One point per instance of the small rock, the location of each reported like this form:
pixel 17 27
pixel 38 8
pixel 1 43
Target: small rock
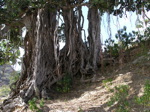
pixel 120 74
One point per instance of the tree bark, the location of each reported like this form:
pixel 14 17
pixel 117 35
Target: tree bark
pixel 43 63
pixel 94 38
pixel 75 48
pixel 82 59
pixel 39 64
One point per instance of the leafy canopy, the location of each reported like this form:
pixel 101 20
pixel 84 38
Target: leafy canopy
pixel 12 12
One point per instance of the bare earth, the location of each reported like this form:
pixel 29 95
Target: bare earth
pixel 93 96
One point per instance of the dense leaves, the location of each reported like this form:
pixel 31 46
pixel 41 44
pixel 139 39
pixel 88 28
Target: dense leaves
pixel 118 7
pixel 124 38
pixel 13 11
pixel 8 52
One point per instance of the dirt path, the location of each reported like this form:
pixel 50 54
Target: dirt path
pixel 93 97
pixel 96 97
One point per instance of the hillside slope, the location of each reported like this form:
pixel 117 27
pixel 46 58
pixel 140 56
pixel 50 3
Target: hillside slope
pixel 94 96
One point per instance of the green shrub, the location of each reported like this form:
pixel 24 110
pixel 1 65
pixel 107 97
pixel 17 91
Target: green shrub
pixel 65 84
pixel 106 83
pixel 9 52
pixel 145 99
pixel 125 39
pixel 36 106
pixel 120 96
pixel 111 48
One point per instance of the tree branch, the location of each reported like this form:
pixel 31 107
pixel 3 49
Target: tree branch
pixel 76 5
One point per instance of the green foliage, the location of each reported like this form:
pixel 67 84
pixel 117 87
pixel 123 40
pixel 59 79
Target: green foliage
pixel 117 7
pixel 145 99
pixel 124 38
pixel 111 47
pixel 36 106
pixel 65 84
pixel 123 107
pixel 8 52
pixel 143 40
pixel 107 81
pixel 12 10
pixel 41 103
pixel 4 90
pixel 144 35
pixel 32 105
pixel 120 96
pixel 108 6
pixel 126 41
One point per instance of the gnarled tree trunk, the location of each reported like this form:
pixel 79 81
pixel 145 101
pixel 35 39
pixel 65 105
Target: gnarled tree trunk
pixel 43 64
pixel 81 58
pixel 75 48
pixel 39 64
pixel 94 37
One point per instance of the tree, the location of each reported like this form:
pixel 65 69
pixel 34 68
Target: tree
pixel 43 63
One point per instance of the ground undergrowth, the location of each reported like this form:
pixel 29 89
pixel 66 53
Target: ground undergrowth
pixel 117 89
pixel 125 89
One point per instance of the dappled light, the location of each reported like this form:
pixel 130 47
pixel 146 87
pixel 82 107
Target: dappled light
pixel 75 55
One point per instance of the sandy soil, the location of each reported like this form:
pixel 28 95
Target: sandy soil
pixel 93 97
